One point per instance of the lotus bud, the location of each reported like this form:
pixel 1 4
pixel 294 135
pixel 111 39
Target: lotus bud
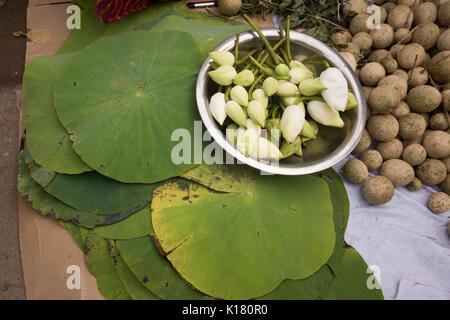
pixel 310 129
pixel 235 112
pixel 287 101
pixel 261 97
pixel 296 64
pixel 222 58
pixel 310 87
pixel 270 86
pixel 273 131
pixel 244 78
pixel 299 74
pixel 336 94
pixel 289 148
pixel 217 107
pixel 282 69
pixel 291 123
pixel 267 150
pixel 287 89
pixel 231 133
pixel 351 102
pixel 324 114
pixel 223 75
pixel 239 95
pixel 242 141
pixel 253 132
pixel 256 112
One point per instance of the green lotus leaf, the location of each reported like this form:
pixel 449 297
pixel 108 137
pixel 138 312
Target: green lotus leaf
pixel 154 271
pixel 208 33
pixel 50 206
pixel 92 28
pixel 133 286
pixel 122 122
pixel 100 263
pixel 351 279
pixel 47 140
pixel 242 245
pixel 136 225
pixel 93 192
pixel 79 234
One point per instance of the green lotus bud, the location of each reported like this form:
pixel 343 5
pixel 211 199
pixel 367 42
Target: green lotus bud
pixel 282 69
pixel 235 112
pixel 261 97
pixel 217 107
pixel 267 150
pixel 239 95
pixel 222 58
pixel 223 75
pixel 291 123
pixel 270 86
pixel 299 74
pixel 310 87
pixel 310 129
pixel 256 112
pixel 286 89
pixel 253 132
pixel 287 101
pixel 289 148
pixel 244 78
pixel 324 114
pixel 351 102
pixel 242 141
pixel 296 64
pixel 231 133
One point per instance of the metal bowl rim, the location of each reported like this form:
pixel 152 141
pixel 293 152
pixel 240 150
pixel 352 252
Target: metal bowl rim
pixel 330 55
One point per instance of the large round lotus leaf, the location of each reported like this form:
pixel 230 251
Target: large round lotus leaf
pixel 133 286
pixel 242 245
pixel 208 33
pixel 123 96
pixel 47 140
pixel 50 206
pixel 154 271
pixel 100 263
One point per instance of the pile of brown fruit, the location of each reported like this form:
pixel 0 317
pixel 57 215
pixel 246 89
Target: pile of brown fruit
pixel 404 67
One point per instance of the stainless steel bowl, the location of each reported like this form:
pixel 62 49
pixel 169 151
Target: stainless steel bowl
pixel 323 159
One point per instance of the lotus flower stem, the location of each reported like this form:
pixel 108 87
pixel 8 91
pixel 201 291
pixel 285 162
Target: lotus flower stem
pixel 270 64
pixel 307 98
pixel 238 62
pixel 317 62
pixel 227 93
pixel 220 89
pixel 266 72
pixel 288 42
pixel 252 87
pixel 274 111
pixel 263 38
pixel 285 56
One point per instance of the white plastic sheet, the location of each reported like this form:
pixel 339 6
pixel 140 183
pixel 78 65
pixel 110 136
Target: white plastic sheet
pixel 404 239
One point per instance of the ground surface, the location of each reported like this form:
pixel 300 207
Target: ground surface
pixel 12 57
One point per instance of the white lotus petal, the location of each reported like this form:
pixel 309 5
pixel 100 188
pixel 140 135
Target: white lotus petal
pixel 324 114
pixel 217 107
pixel 336 93
pixel 291 123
